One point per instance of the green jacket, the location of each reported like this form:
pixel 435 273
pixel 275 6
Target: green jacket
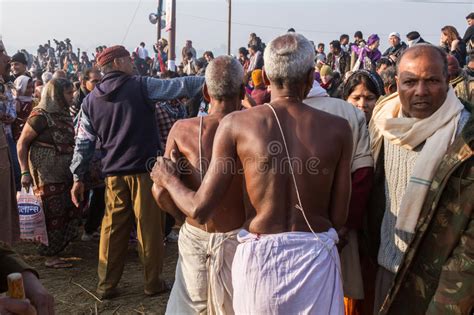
pixel 437 273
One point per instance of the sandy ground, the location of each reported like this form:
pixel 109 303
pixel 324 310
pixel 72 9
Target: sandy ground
pixel 70 298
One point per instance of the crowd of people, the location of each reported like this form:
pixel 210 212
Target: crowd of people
pixel 302 181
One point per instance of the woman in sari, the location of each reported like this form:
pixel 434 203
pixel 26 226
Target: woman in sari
pixel 367 56
pixel 45 150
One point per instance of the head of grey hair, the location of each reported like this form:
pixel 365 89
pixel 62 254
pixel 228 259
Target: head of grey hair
pixel 288 58
pixel 224 76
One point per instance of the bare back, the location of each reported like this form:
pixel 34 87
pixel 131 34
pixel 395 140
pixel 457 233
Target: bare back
pixel 320 147
pixel 184 137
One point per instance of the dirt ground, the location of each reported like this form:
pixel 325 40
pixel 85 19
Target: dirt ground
pixel 70 298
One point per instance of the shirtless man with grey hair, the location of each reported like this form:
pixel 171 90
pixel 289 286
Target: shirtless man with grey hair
pixel 203 273
pixel 287 261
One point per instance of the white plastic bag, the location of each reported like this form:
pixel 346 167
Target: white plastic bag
pixel 32 220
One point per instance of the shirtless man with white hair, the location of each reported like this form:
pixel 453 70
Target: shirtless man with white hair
pixel 203 272
pixel 287 261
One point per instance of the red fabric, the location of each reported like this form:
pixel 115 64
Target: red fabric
pixel 110 53
pixel 160 61
pixel 362 180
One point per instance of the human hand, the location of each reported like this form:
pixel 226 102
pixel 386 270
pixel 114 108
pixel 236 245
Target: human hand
pixel 16 306
pixel 77 193
pixel 164 170
pixel 37 294
pixel 26 181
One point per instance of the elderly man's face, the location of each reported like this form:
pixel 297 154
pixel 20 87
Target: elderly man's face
pixel 18 68
pixel 394 41
pixel 422 84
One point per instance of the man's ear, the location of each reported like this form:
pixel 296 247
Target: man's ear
pixel 265 78
pixel 117 62
pixel 205 93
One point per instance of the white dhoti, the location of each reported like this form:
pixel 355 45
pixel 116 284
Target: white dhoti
pixel 287 273
pixel 203 283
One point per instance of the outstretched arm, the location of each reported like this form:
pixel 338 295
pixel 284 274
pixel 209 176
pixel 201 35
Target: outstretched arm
pixel 200 205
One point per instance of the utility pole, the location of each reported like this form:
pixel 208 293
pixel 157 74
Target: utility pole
pixel 229 27
pixel 158 24
pixel 172 38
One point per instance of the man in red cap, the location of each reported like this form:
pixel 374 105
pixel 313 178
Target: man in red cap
pixel 120 113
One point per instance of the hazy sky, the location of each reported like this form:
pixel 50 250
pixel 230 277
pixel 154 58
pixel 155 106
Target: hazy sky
pixel 26 24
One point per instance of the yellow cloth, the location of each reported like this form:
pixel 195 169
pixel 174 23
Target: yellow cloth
pixel 437 132
pixel 257 77
pixel 325 70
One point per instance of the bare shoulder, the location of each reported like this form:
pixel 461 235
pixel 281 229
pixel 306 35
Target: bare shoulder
pixel 247 117
pixel 182 128
pixel 239 118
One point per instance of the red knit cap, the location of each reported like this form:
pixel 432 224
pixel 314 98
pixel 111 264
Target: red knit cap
pixel 109 54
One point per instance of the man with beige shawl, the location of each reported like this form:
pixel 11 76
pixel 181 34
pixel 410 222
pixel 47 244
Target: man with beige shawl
pixel 410 133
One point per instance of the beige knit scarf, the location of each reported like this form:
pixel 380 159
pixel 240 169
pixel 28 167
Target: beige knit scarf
pixel 437 131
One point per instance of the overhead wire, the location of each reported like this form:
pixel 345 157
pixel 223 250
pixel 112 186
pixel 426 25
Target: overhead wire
pixel 271 26
pixel 131 21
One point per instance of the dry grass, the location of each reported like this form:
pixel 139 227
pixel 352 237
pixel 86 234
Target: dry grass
pixel 74 289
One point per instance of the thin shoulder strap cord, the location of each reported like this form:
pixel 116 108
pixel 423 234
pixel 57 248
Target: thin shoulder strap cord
pixel 200 147
pixel 200 153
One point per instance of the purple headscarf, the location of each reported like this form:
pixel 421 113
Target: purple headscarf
pixel 372 39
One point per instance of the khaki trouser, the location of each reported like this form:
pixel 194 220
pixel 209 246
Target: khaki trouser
pixel 128 198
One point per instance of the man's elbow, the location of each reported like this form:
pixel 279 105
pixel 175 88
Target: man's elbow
pixel 199 215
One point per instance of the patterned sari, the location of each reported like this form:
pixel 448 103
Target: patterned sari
pixel 49 158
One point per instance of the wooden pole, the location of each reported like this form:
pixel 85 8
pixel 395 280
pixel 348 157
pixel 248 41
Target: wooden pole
pixel 172 38
pixel 229 28
pixel 158 24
